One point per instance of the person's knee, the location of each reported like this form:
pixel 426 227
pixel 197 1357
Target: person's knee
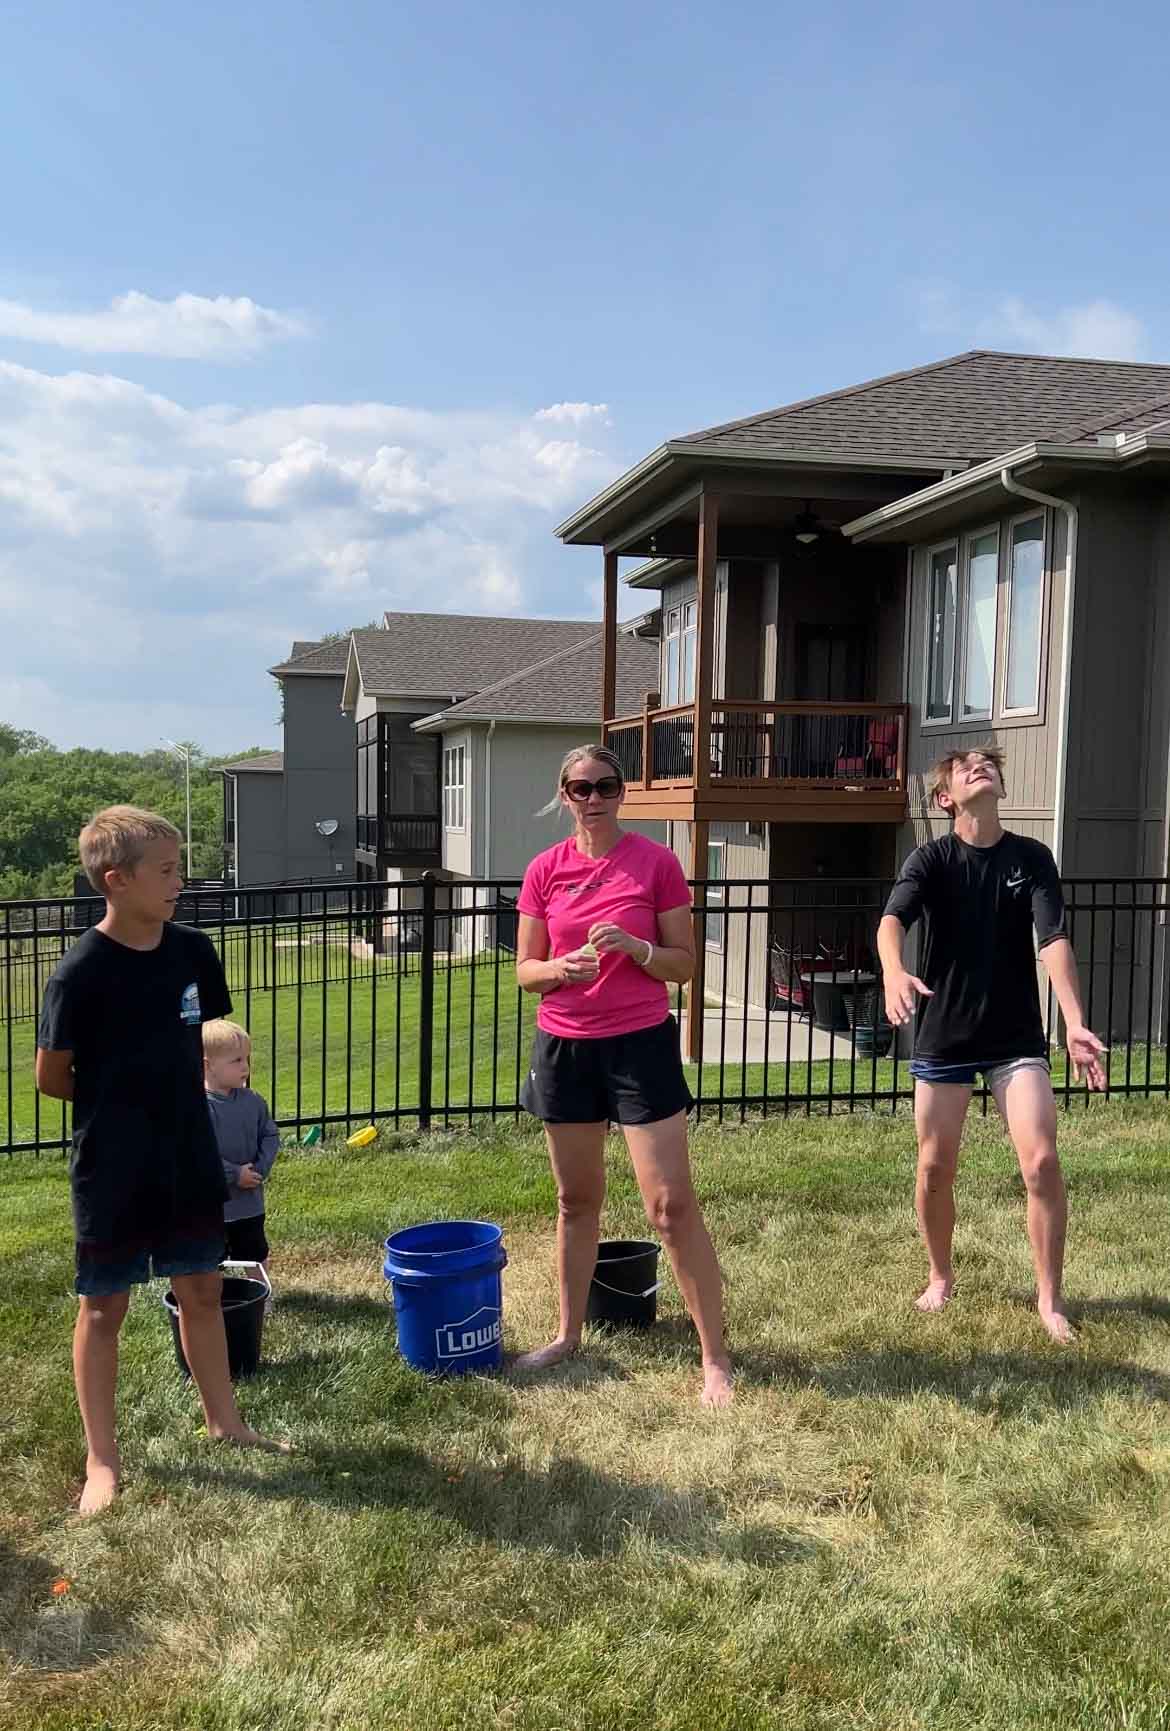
pixel 937 1164
pixel 198 1293
pixel 1040 1170
pixel 105 1315
pixel 580 1204
pixel 671 1213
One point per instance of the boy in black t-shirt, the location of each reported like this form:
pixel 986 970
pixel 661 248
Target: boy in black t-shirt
pixel 120 1036
pixel 981 892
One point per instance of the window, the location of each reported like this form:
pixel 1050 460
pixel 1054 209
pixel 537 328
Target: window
pixel 678 655
pixel 716 898
pixel 940 658
pixel 1021 679
pixel 454 786
pixel 979 607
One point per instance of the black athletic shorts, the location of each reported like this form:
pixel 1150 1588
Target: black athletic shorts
pixel 628 1079
pixel 246 1240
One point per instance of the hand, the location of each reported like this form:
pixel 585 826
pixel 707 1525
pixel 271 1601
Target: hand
pixel 612 940
pixel 575 969
pixel 1086 1051
pixel 902 994
pixel 249 1178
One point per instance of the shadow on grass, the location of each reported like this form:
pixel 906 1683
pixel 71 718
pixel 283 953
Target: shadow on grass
pixel 571 1508
pixel 1006 1382
pixel 1011 1383
pixel 333 1307
pixel 47 1633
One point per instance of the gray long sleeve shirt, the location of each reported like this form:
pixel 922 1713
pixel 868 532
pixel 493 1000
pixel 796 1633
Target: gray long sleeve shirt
pixel 247 1137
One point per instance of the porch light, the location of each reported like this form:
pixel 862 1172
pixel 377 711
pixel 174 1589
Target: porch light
pixel 806 527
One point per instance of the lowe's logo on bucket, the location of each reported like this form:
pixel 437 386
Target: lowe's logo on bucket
pixel 457 1339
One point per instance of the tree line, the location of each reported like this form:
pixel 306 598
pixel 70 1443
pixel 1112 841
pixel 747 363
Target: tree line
pixel 47 795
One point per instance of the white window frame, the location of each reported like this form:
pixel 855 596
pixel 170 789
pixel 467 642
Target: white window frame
pixel 952 543
pixel 964 717
pixel 719 945
pixel 455 788
pixel 672 633
pixel 1035 708
pixel 690 630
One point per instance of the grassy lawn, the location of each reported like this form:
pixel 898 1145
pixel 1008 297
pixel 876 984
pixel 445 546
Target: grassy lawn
pixel 350 1050
pixel 906 1523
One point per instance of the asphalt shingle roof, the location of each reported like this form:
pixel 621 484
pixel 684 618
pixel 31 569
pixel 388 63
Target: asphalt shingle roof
pixel 268 761
pixel 566 685
pixel 968 408
pixel 332 656
pixel 434 654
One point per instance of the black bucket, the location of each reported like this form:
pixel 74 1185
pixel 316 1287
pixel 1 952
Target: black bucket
pixel 624 1289
pixel 243 1322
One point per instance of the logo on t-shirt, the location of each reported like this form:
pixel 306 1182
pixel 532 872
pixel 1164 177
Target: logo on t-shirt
pixel 1015 880
pixel 189 1009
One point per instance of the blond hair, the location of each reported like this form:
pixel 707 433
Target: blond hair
pixel 117 838
pixel 938 778
pixel 221 1037
pixel 600 754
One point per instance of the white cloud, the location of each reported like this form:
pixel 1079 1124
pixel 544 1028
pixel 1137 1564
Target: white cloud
pixel 1099 329
pixel 189 327
pixel 575 414
pixel 155 559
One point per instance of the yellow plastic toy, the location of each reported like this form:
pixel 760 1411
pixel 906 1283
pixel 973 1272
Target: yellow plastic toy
pixel 362 1138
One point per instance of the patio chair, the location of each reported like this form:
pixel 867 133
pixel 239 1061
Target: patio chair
pixel 788 989
pixel 879 760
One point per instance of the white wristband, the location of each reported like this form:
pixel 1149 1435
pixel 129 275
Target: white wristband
pixel 649 956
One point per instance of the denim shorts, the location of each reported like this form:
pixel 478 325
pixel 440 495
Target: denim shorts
pixel 965 1075
pixel 101 1273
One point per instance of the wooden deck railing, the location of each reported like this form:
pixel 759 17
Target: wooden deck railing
pixel 829 746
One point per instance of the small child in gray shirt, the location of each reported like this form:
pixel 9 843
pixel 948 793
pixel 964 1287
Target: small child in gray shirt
pixel 247 1138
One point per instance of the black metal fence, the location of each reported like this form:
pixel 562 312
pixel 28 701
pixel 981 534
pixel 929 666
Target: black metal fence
pixel 397 1003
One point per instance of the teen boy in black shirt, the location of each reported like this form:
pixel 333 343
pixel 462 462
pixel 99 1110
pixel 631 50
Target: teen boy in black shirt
pixel 120 1037
pixel 981 891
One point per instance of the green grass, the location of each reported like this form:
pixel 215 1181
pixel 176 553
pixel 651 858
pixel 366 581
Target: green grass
pixel 351 1049
pixel 906 1524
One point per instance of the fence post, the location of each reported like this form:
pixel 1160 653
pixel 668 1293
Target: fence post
pixel 426 1002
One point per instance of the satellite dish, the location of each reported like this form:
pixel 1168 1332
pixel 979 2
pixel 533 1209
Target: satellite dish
pixel 326 826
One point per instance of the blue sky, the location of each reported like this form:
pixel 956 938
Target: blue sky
pixel 308 311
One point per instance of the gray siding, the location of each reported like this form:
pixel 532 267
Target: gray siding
pixel 1116 778
pixel 259 827
pixel 319 770
pixel 524 765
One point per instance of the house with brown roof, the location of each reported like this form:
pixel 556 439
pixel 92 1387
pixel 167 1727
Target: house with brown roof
pixel 502 747
pixel 397 675
pixel 975 549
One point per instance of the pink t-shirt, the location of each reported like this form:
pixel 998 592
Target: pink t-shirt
pixel 630 886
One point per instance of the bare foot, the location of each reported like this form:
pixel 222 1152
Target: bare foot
pixel 718 1388
pixel 936 1296
pixel 1058 1325
pixel 242 1436
pixel 101 1487
pixel 546 1356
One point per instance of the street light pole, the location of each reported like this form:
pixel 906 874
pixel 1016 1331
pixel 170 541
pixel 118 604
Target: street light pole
pixel 183 752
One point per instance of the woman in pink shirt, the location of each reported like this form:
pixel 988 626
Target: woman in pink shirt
pixel 605 925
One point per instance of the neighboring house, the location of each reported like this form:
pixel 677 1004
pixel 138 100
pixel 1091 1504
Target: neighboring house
pixel 401 673
pixel 290 814
pixel 502 748
pixel 975 549
pixel 253 819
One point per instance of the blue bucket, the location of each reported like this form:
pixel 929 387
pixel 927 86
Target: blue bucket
pixel 445 1277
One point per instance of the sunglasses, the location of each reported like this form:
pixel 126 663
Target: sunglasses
pixel 579 790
